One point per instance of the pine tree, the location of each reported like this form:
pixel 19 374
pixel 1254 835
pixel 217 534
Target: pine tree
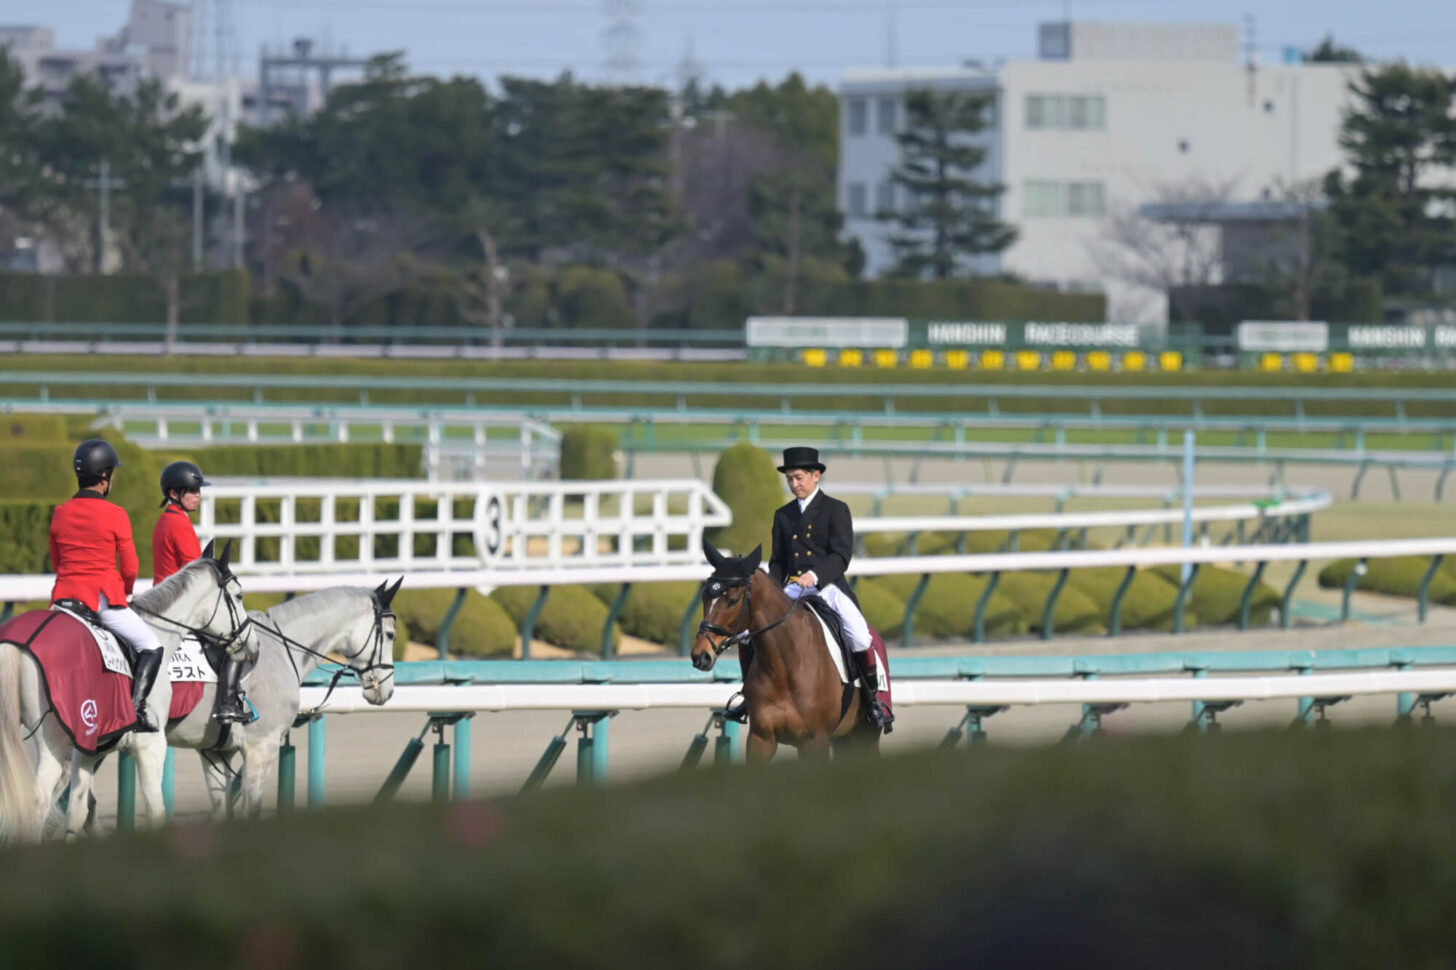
pixel 948 215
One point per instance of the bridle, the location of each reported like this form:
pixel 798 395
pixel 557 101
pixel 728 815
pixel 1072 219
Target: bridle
pixel 238 618
pixel 745 613
pixel 374 645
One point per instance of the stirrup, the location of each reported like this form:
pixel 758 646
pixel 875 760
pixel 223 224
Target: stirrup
pixel 736 712
pixel 236 710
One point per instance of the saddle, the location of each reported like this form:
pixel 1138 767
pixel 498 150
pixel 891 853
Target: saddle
pixel 831 619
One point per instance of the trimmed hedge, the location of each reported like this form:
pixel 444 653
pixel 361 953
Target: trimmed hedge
pixel 34 428
pixel 1147 604
pixel 882 608
pixel 653 611
pixel 1399 576
pixel 1216 594
pixel 746 478
pixel 588 453
pixel 948 606
pixel 572 618
pixel 338 460
pixel 481 629
pixel 1074 612
pixel 24 536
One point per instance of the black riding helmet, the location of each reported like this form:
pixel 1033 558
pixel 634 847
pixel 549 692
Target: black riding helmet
pixel 181 475
pixel 94 459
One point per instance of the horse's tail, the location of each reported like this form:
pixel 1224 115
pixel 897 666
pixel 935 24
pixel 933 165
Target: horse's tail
pixel 19 810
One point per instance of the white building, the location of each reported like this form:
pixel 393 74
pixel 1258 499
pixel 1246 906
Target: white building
pixel 153 43
pixel 1107 115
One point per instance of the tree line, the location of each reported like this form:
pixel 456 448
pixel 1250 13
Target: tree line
pixel 557 202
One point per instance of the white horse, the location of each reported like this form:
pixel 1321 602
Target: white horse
pixel 293 638
pixel 203 597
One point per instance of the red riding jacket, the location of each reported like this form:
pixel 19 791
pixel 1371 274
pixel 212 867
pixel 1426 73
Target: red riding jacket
pixel 174 543
pixel 88 536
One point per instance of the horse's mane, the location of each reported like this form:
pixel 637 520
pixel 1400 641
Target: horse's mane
pixel 165 594
pixel 289 611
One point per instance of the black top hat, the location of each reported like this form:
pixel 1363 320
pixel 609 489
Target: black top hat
pixel 802 458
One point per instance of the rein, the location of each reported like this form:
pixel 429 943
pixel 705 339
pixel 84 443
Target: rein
pixel 376 640
pixel 731 639
pixel 239 627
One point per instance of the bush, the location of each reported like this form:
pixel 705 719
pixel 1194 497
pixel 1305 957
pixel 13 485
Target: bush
pixel 1147 604
pixel 1399 576
pixel 589 297
pixel 1275 849
pixel 1075 611
pixel 745 478
pixel 24 536
pixel 572 618
pixel 588 453
pixel 35 428
pixel 882 608
pixel 1216 594
pixel 948 606
pixel 653 611
pixel 341 460
pixel 481 628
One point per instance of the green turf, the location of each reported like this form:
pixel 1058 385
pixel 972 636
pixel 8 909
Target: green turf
pixel 1326 850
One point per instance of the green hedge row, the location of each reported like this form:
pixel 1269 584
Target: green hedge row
pixel 1397 576
pixel 482 628
pixel 575 296
pixel 36 476
pixel 572 617
pixel 221 297
pixel 1297 850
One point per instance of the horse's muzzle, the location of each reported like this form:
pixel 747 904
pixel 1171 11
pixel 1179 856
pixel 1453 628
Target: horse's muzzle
pixel 703 660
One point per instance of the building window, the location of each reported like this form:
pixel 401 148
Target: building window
pixel 1045 199
pixel 856 201
pixel 1085 199
pixel 885 116
pixel 1066 112
pixel 858 116
pixel 885 197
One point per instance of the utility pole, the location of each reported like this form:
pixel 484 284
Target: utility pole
pixel 104 184
pixel 197 219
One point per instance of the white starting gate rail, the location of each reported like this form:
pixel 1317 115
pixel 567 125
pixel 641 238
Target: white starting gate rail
pixel 511 525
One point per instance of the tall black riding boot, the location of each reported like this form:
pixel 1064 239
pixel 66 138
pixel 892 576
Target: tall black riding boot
pixel 231 709
pixel 143 676
pixel 875 712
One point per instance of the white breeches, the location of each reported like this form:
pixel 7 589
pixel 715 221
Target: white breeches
pixel 856 630
pixel 130 627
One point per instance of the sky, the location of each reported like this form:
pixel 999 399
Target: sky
pixel 736 42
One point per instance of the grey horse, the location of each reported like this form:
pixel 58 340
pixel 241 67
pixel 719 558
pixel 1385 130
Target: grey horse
pixel 293 637
pixel 202 597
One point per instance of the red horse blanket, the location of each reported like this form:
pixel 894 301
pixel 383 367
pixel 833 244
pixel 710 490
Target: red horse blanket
pixel 93 704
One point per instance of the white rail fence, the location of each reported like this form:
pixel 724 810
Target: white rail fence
pixel 331 525
pixel 457 443
pixel 326 525
pixel 908 693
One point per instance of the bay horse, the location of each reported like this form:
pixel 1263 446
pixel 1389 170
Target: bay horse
pixel 794 692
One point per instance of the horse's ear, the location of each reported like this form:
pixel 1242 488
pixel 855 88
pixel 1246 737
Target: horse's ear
pixel 227 553
pixel 751 561
pixel 386 596
pixel 379 590
pixel 715 558
pixel 207 550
